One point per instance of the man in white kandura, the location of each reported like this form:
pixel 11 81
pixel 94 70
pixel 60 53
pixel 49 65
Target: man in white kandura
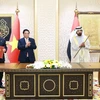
pixel 79 41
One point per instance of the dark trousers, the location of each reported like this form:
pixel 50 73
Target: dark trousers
pixel 27 60
pixel 1 73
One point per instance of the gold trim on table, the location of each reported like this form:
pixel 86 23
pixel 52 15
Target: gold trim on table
pixel 46 81
pixel 70 86
pixel 21 85
pixel 27 83
pixel 7 85
pixel 75 88
pixel 90 85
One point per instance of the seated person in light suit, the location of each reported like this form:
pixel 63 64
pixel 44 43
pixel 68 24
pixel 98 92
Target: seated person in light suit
pixel 2 60
pixel 26 45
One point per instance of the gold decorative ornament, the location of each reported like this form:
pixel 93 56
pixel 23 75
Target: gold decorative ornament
pixel 70 85
pixel 7 85
pixel 48 85
pixel 4 28
pixel 24 88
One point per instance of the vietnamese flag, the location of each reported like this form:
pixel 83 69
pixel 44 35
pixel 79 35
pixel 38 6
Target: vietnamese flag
pixel 13 52
pixel 74 25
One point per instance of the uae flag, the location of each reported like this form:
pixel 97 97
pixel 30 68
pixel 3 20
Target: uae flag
pixel 74 25
pixel 12 51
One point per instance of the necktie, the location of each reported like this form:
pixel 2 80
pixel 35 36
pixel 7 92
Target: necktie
pixel 26 39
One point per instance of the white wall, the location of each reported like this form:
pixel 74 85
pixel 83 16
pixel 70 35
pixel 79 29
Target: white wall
pixel 46 14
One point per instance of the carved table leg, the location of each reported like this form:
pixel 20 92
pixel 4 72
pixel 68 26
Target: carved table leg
pixel 99 78
pixel 99 73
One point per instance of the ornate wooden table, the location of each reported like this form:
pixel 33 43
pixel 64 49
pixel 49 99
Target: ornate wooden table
pixel 52 84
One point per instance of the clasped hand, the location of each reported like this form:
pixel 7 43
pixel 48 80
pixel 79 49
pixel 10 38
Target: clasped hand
pixel 28 44
pixel 82 45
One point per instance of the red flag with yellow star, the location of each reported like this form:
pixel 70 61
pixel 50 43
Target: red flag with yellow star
pixel 12 51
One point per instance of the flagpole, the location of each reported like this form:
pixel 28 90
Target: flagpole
pixel 76 11
pixel 17 9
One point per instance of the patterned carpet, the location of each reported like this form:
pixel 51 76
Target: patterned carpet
pixel 96 91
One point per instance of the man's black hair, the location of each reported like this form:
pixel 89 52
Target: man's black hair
pixel 25 30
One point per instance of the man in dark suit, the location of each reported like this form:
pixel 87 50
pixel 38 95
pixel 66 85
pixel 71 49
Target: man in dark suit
pixel 26 45
pixel 2 60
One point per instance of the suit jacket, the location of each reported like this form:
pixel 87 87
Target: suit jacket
pixel 24 50
pixel 3 43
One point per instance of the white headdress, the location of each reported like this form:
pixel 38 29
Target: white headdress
pixel 73 33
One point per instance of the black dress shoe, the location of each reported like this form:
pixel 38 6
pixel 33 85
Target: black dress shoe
pixel 2 86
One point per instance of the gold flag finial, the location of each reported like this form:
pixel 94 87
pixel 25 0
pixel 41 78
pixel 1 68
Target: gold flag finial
pixel 76 11
pixel 17 10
